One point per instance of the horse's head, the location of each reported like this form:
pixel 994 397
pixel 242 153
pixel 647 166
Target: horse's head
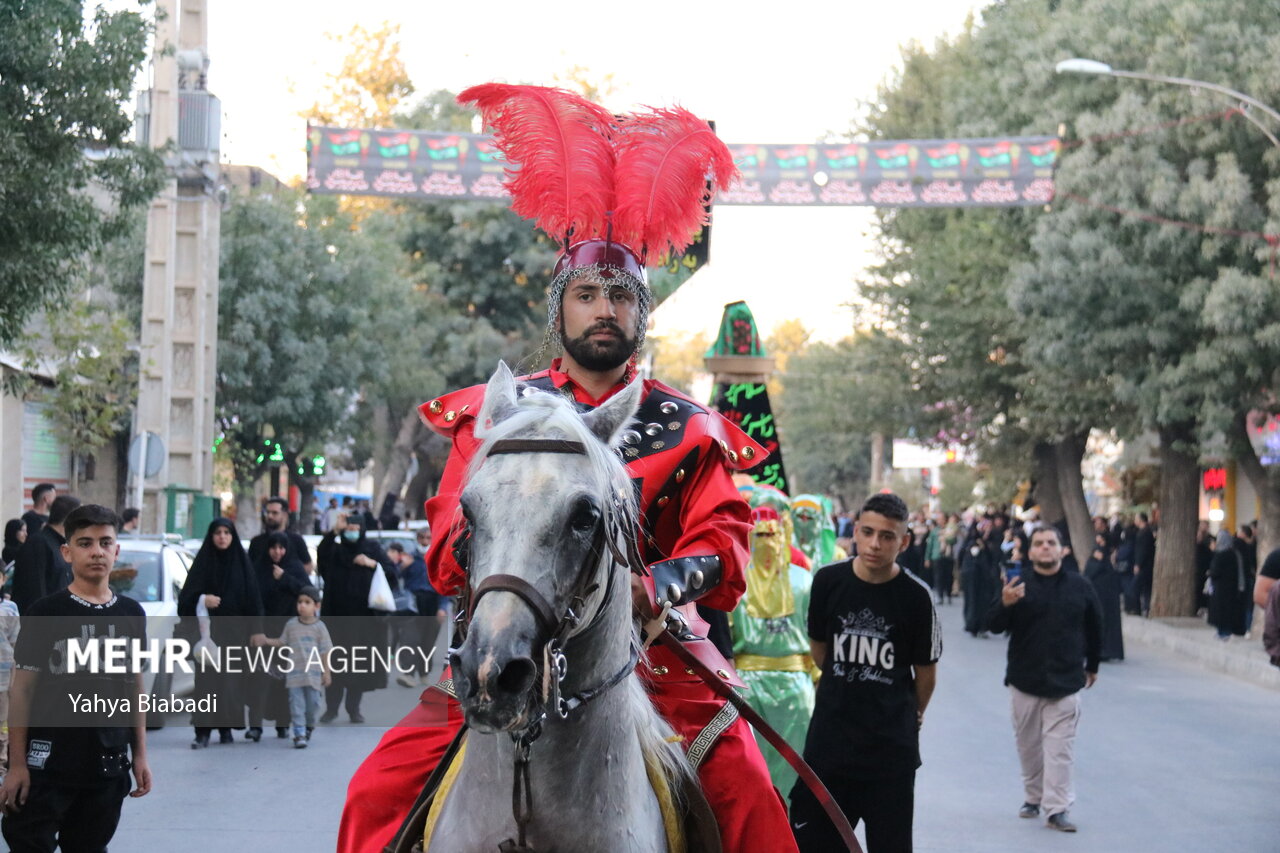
pixel 544 493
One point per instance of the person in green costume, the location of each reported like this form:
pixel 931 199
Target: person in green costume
pixel 811 516
pixel 770 641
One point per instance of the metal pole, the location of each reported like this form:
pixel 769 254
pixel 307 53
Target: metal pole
pixel 139 485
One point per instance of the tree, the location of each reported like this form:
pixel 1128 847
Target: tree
pixel 372 83
pixel 941 285
pixel 62 89
pixel 94 384
pixel 959 482
pixel 788 338
pixel 1120 301
pixel 678 359
pixel 826 437
pixel 1108 315
pixel 301 294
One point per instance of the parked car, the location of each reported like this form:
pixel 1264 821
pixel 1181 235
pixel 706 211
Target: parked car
pixel 151 570
pixel 406 537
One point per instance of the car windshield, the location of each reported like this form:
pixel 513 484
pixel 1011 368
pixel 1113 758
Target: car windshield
pixel 137 575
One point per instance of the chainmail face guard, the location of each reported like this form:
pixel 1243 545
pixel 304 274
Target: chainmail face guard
pixel 606 278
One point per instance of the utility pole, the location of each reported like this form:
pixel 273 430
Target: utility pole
pixel 179 334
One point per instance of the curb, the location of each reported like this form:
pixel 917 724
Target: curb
pixel 1193 641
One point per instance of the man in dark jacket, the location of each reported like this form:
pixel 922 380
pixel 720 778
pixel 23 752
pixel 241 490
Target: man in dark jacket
pixel 40 568
pixel 42 497
pixel 1054 624
pixel 275 519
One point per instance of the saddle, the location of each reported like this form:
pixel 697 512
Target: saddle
pixel 694 829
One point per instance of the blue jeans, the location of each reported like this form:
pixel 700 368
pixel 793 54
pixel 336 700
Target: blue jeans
pixel 304 705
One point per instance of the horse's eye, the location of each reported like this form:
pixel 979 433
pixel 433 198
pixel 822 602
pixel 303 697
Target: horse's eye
pixel 584 518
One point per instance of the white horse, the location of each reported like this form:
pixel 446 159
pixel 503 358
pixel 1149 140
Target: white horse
pixel 550 504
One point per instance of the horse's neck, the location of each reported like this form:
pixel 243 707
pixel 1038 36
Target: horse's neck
pixel 604 646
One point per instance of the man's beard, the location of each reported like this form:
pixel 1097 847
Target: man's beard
pixel 601 355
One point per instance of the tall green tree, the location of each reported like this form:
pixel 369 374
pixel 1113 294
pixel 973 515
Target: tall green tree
pixel 825 437
pixel 1120 301
pixel 1116 321
pixel 301 294
pixel 941 286
pixel 63 86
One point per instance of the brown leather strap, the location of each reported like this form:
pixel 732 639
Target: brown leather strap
pixel 518 586
pixel 828 803
pixel 537 445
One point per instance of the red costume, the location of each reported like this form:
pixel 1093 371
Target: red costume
pixel 680 456
pixel 627 189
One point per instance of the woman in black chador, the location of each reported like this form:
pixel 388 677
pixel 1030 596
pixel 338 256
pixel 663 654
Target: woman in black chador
pixel 1106 583
pixel 280 578
pixel 1229 575
pixel 347 561
pixel 222 575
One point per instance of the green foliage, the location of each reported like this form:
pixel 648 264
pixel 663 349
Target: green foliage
pixel 1023 325
pixel 482 259
pixel 958 483
pixel 833 397
pixel 62 87
pixel 941 284
pixel 94 384
pixel 301 291
pixel 1124 309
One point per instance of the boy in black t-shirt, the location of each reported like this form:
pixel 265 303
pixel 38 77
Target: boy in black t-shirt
pixel 874 632
pixel 71 726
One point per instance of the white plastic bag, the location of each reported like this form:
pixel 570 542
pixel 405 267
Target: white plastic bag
pixel 380 597
pixel 205 643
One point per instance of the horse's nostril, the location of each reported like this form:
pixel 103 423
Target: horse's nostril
pixel 466 688
pixel 517 676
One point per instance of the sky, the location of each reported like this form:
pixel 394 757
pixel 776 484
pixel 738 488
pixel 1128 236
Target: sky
pixel 765 73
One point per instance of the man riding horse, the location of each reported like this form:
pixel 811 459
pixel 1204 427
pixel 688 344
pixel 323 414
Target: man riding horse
pixel 626 188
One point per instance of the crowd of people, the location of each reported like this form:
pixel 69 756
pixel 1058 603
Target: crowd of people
pixel 1060 608
pixel 967 555
pixel 271 594
pixel 262 595
pixel 58 562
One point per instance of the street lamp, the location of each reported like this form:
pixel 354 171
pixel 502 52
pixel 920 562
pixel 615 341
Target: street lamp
pixel 1092 66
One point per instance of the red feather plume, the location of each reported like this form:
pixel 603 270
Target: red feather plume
pixel 561 161
pixel 665 158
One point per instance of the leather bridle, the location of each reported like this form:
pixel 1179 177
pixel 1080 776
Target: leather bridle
pixel 557 628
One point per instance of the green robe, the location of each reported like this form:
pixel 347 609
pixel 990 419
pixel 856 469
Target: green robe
pixel 784 699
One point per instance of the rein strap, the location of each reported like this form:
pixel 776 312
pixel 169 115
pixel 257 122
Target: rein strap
pixel 805 772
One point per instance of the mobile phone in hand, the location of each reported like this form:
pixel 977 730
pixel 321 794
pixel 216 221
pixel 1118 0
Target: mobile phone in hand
pixel 1012 573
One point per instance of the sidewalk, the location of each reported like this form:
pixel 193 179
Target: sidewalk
pixel 1194 641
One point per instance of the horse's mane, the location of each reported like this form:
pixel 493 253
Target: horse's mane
pixel 542 415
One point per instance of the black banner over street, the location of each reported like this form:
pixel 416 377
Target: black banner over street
pixel 996 172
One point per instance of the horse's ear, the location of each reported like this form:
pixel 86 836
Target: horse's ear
pixel 499 397
pixel 608 421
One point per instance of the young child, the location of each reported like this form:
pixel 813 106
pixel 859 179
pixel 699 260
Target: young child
pixel 309 640
pixel 8 636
